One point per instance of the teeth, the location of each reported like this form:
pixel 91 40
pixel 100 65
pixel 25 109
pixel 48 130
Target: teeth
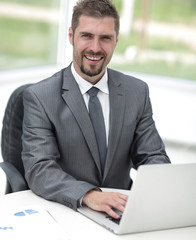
pixel 93 58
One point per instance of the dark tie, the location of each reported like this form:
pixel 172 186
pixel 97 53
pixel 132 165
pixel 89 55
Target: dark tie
pixel 96 115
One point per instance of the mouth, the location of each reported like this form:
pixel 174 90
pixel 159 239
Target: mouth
pixel 93 58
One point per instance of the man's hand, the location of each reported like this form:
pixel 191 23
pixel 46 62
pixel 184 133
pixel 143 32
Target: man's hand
pixel 105 202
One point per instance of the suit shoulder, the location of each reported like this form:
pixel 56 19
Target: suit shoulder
pixel 126 79
pixel 47 85
pixel 50 81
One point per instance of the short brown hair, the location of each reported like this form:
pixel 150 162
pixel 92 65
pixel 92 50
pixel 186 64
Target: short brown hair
pixel 96 9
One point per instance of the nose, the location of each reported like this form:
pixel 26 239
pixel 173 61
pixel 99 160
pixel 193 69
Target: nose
pixel 95 45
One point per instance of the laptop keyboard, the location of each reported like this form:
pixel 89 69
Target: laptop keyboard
pixel 117 221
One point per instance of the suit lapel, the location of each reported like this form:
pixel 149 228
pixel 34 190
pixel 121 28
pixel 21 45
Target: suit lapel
pixel 117 107
pixel 74 99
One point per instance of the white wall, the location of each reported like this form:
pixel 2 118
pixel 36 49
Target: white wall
pixel 173 102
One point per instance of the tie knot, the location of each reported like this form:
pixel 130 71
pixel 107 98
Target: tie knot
pixel 93 91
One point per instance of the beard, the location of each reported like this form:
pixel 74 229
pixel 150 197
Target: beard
pixel 92 71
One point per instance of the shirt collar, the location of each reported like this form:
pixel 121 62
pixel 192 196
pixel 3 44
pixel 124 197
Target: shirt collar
pixel 84 85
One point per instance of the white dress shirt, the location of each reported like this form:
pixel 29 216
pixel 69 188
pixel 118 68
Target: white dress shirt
pixel 103 94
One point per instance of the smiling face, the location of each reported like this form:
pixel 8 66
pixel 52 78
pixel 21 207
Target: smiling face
pixel 94 41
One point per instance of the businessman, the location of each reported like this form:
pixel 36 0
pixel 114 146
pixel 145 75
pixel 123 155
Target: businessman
pixel 87 125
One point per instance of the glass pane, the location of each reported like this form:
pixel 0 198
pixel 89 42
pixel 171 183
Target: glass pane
pixel 29 32
pixel 161 39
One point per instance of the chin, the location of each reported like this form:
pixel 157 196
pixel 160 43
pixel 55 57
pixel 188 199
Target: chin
pixel 91 73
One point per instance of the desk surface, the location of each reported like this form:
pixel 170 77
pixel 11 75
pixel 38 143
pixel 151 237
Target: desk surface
pixel 76 226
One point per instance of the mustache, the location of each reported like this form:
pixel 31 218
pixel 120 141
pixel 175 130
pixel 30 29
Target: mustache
pixel 94 53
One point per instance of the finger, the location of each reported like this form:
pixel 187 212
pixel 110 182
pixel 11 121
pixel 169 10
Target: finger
pixel 118 206
pixel 121 199
pixel 112 213
pixel 123 196
pixel 111 207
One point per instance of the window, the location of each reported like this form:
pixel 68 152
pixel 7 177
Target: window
pixel 29 33
pixel 160 39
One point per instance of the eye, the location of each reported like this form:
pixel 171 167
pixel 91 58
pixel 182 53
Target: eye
pixel 86 36
pixel 107 38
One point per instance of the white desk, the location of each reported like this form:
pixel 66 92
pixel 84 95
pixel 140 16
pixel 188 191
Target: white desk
pixel 79 227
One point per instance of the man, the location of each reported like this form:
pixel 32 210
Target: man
pixel 61 153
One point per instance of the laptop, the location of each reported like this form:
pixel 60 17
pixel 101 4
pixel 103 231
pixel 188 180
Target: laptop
pixel 163 196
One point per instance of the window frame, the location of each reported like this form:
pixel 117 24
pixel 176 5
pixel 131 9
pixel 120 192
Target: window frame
pixel 63 55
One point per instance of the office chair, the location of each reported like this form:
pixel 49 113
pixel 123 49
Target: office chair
pixel 11 143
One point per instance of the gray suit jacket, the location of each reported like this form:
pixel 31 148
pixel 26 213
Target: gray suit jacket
pixel 60 153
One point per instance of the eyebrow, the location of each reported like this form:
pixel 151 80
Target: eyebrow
pixel 102 35
pixel 81 33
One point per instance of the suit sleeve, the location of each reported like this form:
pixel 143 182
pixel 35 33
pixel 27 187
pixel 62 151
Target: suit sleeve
pixel 40 157
pixel 147 147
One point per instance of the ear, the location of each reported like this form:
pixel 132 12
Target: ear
pixel 117 38
pixel 71 36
